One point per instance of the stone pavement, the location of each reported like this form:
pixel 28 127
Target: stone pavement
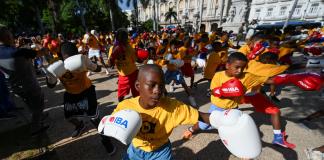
pixel 295 104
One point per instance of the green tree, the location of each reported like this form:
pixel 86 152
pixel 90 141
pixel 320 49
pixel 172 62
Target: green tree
pixel 170 14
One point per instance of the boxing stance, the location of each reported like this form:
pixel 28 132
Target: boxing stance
pixel 229 88
pixel 148 120
pixel 80 97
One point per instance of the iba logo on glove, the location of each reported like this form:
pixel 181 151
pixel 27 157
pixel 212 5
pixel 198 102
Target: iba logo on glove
pixel 118 120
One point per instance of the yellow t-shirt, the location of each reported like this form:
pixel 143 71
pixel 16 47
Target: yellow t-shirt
pixel 249 81
pixel 75 82
pixel 158 122
pixel 185 55
pixel 213 62
pixel 245 49
pixel 284 51
pixel 265 70
pixel 125 63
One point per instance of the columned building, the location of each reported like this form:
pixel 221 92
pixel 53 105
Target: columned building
pixel 232 12
pixel 271 11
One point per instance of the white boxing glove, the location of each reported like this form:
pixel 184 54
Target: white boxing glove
pixel 123 125
pixel 150 61
pixel 57 69
pixel 168 56
pixel 201 62
pixel 177 62
pixel 76 63
pixel 238 132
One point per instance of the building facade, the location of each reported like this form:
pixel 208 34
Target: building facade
pixel 232 12
pixel 271 11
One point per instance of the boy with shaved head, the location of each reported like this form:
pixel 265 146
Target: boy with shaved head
pixel 159 116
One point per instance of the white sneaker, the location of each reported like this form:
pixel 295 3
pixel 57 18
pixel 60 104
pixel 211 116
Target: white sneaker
pixel 89 73
pixel 171 89
pixel 192 101
pixel 314 155
pixel 107 72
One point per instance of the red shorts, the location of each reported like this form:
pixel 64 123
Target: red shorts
pixel 187 70
pixel 126 84
pixel 261 103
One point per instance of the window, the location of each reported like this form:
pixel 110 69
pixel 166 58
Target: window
pixel 269 12
pixel 282 11
pixel 257 13
pixel 313 9
pixel 297 10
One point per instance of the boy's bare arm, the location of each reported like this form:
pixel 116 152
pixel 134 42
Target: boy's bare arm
pixel 204 117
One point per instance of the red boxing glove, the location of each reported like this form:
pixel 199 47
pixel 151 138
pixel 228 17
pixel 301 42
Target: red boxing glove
pixel 257 49
pixel 231 88
pixel 54 44
pixel 305 81
pixel 46 41
pixel 274 50
pixel 142 54
pixel 282 79
pixel 309 82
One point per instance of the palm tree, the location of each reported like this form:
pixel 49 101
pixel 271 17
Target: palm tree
pixel 170 14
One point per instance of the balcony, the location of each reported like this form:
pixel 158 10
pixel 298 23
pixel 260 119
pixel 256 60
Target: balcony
pixel 258 2
pixel 272 1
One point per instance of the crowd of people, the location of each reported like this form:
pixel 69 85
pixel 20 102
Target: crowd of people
pixel 145 63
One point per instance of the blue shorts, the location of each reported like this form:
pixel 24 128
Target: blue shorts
pixel 163 153
pixel 173 75
pixel 205 126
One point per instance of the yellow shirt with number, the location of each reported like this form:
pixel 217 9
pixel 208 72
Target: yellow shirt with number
pixel 249 81
pixel 158 122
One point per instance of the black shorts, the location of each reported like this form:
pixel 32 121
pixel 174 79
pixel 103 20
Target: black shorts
pixel 81 105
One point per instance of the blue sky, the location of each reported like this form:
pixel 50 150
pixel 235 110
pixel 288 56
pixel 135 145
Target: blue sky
pixel 123 5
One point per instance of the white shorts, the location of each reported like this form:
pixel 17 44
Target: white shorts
pixel 94 53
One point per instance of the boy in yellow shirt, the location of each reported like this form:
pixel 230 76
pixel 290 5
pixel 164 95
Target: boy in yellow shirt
pixel 160 115
pixel 124 57
pixel 213 62
pixel 235 66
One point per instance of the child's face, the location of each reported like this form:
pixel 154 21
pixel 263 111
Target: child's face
pixel 150 88
pixel 235 69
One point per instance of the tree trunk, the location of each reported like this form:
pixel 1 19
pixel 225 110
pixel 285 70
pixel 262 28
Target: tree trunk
pixel 82 16
pixel 51 6
pixel 39 20
pixel 136 12
pixel 111 15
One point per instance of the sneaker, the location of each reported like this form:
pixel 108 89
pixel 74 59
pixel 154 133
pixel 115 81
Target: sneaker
pixel 89 74
pixel 313 154
pixel 280 139
pixel 78 130
pixel 107 72
pixel 187 134
pixel 192 101
pixel 274 99
pixel 7 116
pixel 171 89
pixel 110 148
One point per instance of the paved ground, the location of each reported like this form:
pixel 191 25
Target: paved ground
pixel 295 104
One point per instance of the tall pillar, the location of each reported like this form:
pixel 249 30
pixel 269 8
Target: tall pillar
pixel 225 10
